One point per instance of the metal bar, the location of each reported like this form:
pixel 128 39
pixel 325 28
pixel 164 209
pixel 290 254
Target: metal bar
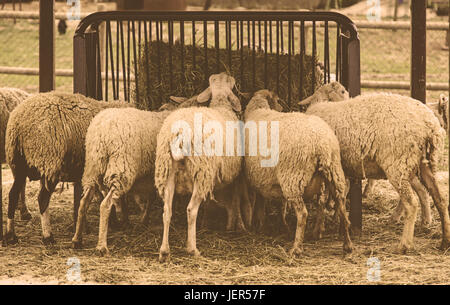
pixel 170 28
pixel 282 36
pixel 253 57
pixel 242 55
pixel 183 79
pixel 265 55
pixel 278 58
pixel 129 58
pixel 302 57
pixel 158 51
pixel 46 45
pixel 314 54
pixel 216 44
pixel 123 61
pixel 289 61
pixel 326 55
pixel 418 50
pixel 106 61
pixel 135 62
pixel 80 69
pixel 338 54
pixel 147 64
pixel 117 60
pixel 205 45
pixel 193 44
pixel 99 67
pixel 230 64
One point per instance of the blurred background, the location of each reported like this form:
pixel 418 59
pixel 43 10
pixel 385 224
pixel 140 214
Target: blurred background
pixel 385 50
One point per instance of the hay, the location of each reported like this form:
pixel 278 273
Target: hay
pixel 155 80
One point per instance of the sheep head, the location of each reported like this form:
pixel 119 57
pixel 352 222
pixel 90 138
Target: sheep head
pixel 220 89
pixel 332 92
pixel 443 109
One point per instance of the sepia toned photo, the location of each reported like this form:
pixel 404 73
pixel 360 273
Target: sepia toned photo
pixel 234 145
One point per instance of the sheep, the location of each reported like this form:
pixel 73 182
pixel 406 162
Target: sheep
pixel 389 136
pixel 120 160
pixel 45 141
pixel 9 99
pixel 438 109
pixel 176 170
pixel 335 92
pixel 306 160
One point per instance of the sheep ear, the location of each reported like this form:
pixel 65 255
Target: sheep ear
pixel 235 103
pixel 178 99
pixel 204 96
pixel 245 95
pixel 306 101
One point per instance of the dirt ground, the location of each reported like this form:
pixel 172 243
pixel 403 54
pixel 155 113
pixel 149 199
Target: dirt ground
pixel 227 258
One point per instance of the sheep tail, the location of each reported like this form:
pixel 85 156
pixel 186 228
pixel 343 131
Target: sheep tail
pixel 433 147
pixel 163 164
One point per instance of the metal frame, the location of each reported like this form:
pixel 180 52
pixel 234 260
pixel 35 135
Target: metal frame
pixel 87 59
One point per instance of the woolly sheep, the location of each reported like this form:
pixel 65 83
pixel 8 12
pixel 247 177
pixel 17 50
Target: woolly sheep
pixel 438 109
pixel 335 92
pixel 45 141
pixel 306 160
pixel 199 175
pixel 120 160
pixel 9 99
pixel 390 136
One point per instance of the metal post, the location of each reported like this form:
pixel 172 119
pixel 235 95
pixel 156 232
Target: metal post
pixel 418 49
pixel 46 45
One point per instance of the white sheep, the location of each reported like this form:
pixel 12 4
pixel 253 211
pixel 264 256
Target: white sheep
pixel 201 173
pixel 9 99
pixel 120 160
pixel 390 136
pixel 45 141
pixel 306 160
pixel 439 110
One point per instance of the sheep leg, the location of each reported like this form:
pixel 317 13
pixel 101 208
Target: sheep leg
pixel 45 193
pixel 81 217
pixel 169 190
pixel 260 213
pixel 423 200
pixel 319 225
pixel 192 210
pixel 236 201
pixel 145 207
pixel 369 187
pixel 283 213
pixel 410 207
pixel 247 205
pixel 302 214
pixel 18 185
pixel 398 212
pixel 105 209
pixel 77 194
pixel 441 204
pixel 24 213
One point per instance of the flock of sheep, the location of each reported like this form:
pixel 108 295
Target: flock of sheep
pixel 112 150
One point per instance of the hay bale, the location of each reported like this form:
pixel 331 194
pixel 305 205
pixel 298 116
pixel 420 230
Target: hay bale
pixel 154 80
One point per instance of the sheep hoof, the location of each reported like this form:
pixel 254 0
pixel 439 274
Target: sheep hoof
pixel 445 244
pixel 164 256
pixel 77 244
pixel 348 248
pixel 194 252
pixel 10 239
pixel 403 248
pixel 102 251
pixel 47 241
pixel 25 216
pixel 297 251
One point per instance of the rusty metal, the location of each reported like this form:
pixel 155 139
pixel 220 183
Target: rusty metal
pixel 46 45
pixel 418 50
